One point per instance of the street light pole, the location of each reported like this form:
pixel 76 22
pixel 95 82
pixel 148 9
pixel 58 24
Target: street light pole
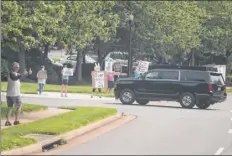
pixel 131 17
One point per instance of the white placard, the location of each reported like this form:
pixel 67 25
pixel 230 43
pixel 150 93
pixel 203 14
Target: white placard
pixel 68 71
pixel 108 66
pixel 142 67
pixel 99 78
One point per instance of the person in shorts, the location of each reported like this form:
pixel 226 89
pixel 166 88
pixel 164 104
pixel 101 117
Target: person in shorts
pixel 13 93
pixel 110 78
pixel 64 83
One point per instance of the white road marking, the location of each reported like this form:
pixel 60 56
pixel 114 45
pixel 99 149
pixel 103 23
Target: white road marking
pixel 230 131
pixel 231 110
pixel 219 151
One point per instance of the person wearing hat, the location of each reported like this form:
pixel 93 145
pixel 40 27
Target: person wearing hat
pixel 42 77
pixel 13 93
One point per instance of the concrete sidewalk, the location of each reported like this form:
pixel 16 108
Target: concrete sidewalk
pixel 33 116
pixel 57 95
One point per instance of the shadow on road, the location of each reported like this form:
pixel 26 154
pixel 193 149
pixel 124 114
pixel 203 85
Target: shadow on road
pixel 163 106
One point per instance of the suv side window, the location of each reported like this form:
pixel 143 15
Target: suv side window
pixel 194 76
pixel 152 75
pixel 166 75
pixel 169 75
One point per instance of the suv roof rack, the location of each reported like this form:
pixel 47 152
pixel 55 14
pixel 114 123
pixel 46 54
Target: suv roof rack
pixel 167 66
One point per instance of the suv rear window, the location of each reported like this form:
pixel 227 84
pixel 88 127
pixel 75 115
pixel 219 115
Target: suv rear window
pixel 217 79
pixel 194 76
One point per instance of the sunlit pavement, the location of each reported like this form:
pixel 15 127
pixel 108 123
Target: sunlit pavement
pixel 161 128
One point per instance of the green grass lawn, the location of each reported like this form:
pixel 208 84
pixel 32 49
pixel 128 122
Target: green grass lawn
pixel 13 137
pixel 229 89
pixel 27 108
pixel 31 88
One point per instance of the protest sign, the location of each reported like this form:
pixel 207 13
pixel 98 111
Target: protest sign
pixel 108 66
pixel 142 66
pixel 68 71
pixel 117 67
pixel 99 79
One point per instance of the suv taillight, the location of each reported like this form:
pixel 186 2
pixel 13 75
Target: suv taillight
pixel 210 89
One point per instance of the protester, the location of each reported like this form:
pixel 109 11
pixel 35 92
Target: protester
pixel 110 78
pixel 42 77
pixel 64 82
pixel 13 93
pixel 96 69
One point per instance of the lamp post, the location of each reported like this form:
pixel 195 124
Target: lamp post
pixel 131 18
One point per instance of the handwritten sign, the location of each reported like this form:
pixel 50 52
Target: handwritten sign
pixel 108 66
pixel 142 66
pixel 117 67
pixel 99 79
pixel 68 71
pixel 42 74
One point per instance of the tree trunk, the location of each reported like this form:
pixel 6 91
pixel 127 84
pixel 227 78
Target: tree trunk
pixel 84 61
pixel 79 66
pixel 46 50
pixel 193 58
pixel 22 60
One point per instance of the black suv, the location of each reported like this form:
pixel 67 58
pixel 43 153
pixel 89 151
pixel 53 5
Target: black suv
pixel 200 86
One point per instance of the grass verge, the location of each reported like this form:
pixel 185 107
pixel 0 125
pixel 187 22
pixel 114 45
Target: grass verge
pixel 229 89
pixel 26 108
pixel 31 88
pixel 13 137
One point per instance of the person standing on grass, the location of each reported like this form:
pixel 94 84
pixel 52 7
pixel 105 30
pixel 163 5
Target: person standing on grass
pixel 97 68
pixel 13 93
pixel 42 77
pixel 64 82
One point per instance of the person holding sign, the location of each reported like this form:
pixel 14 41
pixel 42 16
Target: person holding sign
pixel 42 77
pixel 64 82
pixel 98 80
pixel 13 93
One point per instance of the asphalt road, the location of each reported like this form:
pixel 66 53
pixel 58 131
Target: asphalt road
pixel 161 128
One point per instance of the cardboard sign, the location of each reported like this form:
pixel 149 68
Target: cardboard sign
pixel 68 71
pixel 117 67
pixel 142 67
pixel 99 79
pixel 42 74
pixel 108 66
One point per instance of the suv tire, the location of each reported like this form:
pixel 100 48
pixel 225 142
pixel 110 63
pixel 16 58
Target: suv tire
pixel 187 100
pixel 203 105
pixel 142 102
pixel 127 96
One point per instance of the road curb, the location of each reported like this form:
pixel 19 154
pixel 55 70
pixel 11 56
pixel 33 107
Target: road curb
pixel 37 147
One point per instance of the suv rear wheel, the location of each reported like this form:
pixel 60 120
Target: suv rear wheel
pixel 187 100
pixel 203 105
pixel 142 102
pixel 127 96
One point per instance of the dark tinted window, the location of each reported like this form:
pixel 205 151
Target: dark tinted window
pixel 194 76
pixel 167 75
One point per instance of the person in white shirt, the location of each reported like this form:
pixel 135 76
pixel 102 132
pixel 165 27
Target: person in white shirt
pixel 64 82
pixel 13 93
pixel 42 77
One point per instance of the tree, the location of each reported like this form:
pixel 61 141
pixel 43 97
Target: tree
pixel 85 21
pixel 17 29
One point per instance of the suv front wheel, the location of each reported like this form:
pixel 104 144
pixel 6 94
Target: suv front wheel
pixel 142 102
pixel 187 100
pixel 127 96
